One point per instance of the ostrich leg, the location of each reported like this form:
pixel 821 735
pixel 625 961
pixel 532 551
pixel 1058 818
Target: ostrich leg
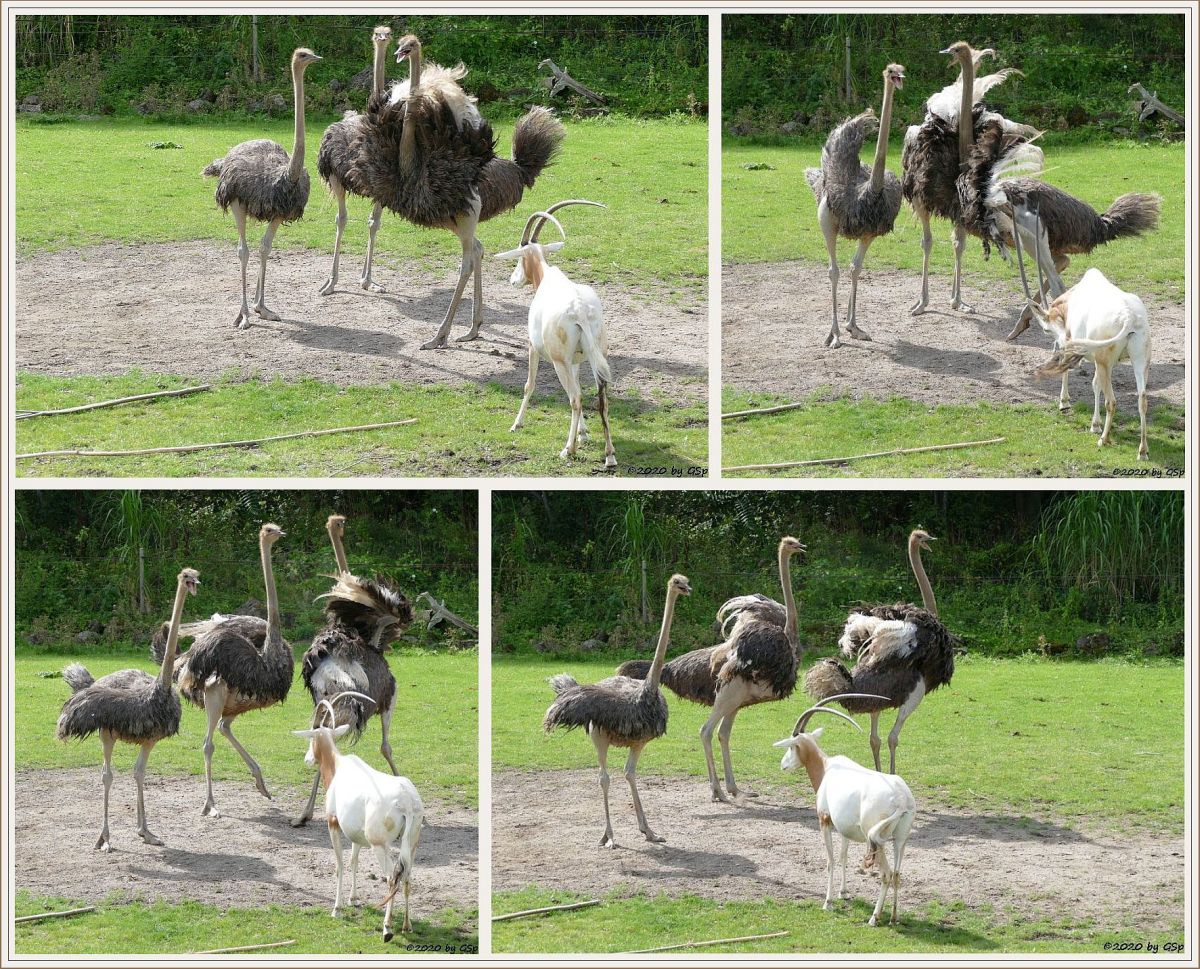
pixel 530 386
pixel 906 708
pixel 875 743
pixel 214 703
pixel 372 228
pixel 227 733
pixel 601 744
pixel 477 304
pixel 926 247
pixel 464 228
pixel 242 322
pixel 631 777
pixel 726 703
pixel 264 249
pixel 829 229
pixel 723 736
pixel 307 813
pixel 960 244
pixel 856 265
pixel 139 775
pixel 340 225
pixel 107 740
pixel 385 724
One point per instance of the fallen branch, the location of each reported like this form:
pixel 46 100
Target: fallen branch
pixel 55 915
pixel 563 81
pixel 22 415
pixel 541 911
pixel 761 410
pixel 186 448
pixel 859 457
pixel 1150 105
pixel 245 948
pixel 697 945
pixel 439 612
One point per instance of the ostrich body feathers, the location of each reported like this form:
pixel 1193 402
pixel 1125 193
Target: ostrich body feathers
pixel 845 182
pixel 255 173
pixel 625 710
pixel 131 704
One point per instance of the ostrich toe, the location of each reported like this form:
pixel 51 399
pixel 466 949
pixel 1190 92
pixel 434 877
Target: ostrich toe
pixel 372 287
pixel 607 840
pixel 210 810
pixel 919 307
pixel 854 331
pixel 102 843
pixel 467 337
pixel 149 837
pixel 962 307
pixel 437 343
pixel 242 320
pixel 267 314
pixel 327 289
pixel 832 341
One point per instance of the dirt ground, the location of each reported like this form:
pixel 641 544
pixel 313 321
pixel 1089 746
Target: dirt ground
pixel 776 316
pixel 169 308
pixel 250 856
pixel 547 825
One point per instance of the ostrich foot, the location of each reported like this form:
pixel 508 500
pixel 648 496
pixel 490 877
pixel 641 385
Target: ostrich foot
pixel 855 332
pixel 607 840
pixel 370 286
pixel 742 792
pixel 262 787
pixel 719 795
pixel 832 341
pixel 242 320
pixel 467 337
pixel 328 288
pixel 958 304
pixel 300 822
pixel 267 314
pixel 437 343
pixel 919 307
pixel 102 843
pixel 1020 326
pixel 149 837
pixel 210 809
pixel 652 837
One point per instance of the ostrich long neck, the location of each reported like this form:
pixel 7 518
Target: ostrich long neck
pixel 379 73
pixel 339 553
pixel 168 663
pixel 274 633
pixel 664 636
pixel 918 567
pixel 408 138
pixel 297 165
pixel 885 123
pixel 966 125
pixel 789 601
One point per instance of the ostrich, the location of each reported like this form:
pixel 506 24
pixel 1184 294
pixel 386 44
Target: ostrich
pixel 333 163
pixel 757 663
pixel 238 664
pixel 259 180
pixel 344 664
pixel 903 652
pixel 620 712
pixel 936 151
pixel 424 152
pixel 854 201
pixel 129 705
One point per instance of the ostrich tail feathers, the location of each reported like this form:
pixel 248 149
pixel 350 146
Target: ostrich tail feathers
pixel 158 642
pixel 537 138
pixel 635 669
pixel 77 677
pixel 561 682
pixel 816 181
pixel 827 678
pixel 1131 215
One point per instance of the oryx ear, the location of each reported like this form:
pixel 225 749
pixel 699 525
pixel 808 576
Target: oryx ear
pixel 511 254
pixel 307 734
pixel 817 733
pixel 341 731
pixel 554 246
pixel 789 742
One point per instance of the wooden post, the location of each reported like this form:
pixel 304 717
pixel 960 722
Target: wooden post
pixel 847 67
pixel 645 602
pixel 143 605
pixel 254 46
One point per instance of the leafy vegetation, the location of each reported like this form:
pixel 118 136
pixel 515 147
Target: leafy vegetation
pixel 103 63
pixel 1003 575
pixel 1078 67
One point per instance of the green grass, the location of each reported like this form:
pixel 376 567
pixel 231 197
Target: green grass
pixel 652 175
pixel 1040 442
pixel 1022 737
pixel 474 441
pixel 642 922
pixel 770 216
pixel 191 927
pixel 434 732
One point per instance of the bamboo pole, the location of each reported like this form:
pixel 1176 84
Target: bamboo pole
pixel 697 945
pixel 859 457
pixel 245 948
pixel 761 410
pixel 548 908
pixel 23 415
pixel 186 448
pixel 55 915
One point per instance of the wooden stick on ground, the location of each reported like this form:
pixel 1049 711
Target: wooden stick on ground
pixel 55 915
pixel 22 415
pixel 186 448
pixel 696 945
pixel 548 908
pixel 245 948
pixel 859 457
pixel 761 410
pixel 438 611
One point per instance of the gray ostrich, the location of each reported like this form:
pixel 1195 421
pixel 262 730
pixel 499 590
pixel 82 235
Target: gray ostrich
pixel 344 664
pixel 333 165
pixel 756 664
pixel 424 151
pixel 854 201
pixel 238 664
pixel 257 179
pixel 131 706
pixel 620 712
pixel 903 652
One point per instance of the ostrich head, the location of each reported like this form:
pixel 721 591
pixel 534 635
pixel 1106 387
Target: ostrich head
pixel 893 74
pixel 381 36
pixel 961 52
pixel 791 546
pixel 679 585
pixel 408 46
pixel 536 251
pixel 336 525
pixel 191 579
pixel 921 537
pixel 302 57
pixel 270 533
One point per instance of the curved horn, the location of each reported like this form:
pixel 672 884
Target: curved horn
pixel 329 707
pixel 555 207
pixel 807 714
pixel 1037 232
pixel 527 238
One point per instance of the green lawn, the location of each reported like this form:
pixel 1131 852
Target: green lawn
pixel 191 927
pixel 434 731
pixel 1057 738
pixel 643 922
pixel 476 441
pixel 1040 442
pixel 653 234
pixel 769 215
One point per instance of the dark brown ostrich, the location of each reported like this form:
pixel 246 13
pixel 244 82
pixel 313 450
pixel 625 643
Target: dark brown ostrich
pixel 423 151
pixel 257 179
pixel 131 706
pixel 344 669
pixel 756 664
pixel 333 165
pixel 853 201
pixel 902 652
pixel 620 712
